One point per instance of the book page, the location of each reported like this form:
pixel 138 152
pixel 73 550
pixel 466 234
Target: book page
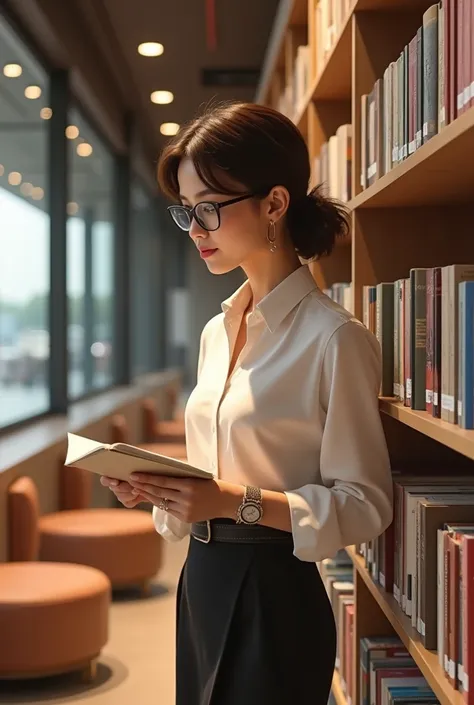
pixel 79 447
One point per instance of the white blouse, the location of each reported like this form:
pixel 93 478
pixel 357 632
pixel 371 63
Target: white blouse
pixel 299 414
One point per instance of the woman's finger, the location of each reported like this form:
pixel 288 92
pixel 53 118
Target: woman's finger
pixel 173 507
pixel 152 490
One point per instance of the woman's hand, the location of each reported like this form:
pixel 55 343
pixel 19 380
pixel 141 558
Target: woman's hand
pixel 189 499
pixel 123 492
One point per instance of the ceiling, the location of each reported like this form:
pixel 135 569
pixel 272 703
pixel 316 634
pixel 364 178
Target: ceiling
pixel 109 32
pixel 242 29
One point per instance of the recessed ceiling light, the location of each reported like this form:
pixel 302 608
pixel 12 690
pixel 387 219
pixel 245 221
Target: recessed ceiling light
pixel 32 92
pixel 26 188
pixel 84 149
pixel 37 193
pixel 72 208
pixel 162 97
pixel 72 132
pixel 46 113
pixel 12 70
pixel 14 178
pixel 150 49
pixel 169 128
pixel 2 170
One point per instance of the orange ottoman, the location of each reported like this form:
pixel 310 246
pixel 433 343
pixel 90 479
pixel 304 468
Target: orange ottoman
pixel 123 543
pixel 53 618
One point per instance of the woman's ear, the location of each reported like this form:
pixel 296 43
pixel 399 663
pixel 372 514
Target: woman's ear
pixel 278 201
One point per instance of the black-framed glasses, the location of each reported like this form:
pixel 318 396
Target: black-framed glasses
pixel 205 213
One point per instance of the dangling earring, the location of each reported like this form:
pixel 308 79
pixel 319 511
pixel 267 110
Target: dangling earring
pixel 271 236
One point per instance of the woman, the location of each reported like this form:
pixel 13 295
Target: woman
pixel 284 413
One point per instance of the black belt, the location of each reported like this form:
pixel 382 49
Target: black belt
pixel 219 530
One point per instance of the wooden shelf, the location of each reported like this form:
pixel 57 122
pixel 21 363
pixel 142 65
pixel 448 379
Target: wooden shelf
pixel 439 172
pixel 426 660
pixel 337 691
pixel 334 80
pixel 448 434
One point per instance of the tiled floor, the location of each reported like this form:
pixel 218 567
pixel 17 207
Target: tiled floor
pixel 137 665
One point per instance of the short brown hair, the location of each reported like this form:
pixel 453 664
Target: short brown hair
pixel 258 148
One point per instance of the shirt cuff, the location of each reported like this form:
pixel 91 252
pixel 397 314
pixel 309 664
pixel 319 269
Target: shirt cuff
pixel 306 530
pixel 170 528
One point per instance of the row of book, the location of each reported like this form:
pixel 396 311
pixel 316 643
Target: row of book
pixel 333 166
pixel 425 326
pixel 429 85
pixel 337 576
pixel 330 18
pixel 426 558
pixel 295 92
pixel 341 293
pixel 387 673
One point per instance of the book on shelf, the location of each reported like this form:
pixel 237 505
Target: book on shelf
pixel 329 21
pixel 337 576
pixel 424 89
pixel 425 326
pixel 426 558
pixel 333 166
pixel 341 293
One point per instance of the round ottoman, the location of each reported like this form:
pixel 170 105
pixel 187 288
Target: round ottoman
pixel 53 618
pixel 122 543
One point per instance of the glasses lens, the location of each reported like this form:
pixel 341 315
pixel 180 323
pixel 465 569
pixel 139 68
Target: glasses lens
pixel 207 216
pixel 181 217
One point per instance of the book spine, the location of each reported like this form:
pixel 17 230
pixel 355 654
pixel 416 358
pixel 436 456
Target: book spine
pixel 419 87
pixel 441 66
pixel 437 299
pixel 453 61
pixel 430 72
pixel 460 57
pixel 429 339
pixel 412 95
pixel 407 350
pixel 418 338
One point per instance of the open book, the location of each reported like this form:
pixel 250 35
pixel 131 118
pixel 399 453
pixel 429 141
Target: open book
pixel 119 460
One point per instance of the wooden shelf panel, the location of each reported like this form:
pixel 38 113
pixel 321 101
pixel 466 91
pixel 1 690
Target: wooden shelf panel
pixel 439 172
pixel 337 691
pixel 448 434
pixel 426 660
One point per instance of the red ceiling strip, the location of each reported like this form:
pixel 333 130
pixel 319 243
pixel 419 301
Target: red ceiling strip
pixel 211 24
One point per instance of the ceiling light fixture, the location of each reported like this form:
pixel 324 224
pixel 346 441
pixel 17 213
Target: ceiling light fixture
pixel 84 149
pixel 162 97
pixel 72 208
pixel 2 170
pixel 12 70
pixel 37 193
pixel 72 132
pixel 150 49
pixel 14 178
pixel 169 128
pixel 32 92
pixel 46 113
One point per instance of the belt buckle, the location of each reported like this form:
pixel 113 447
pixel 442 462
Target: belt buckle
pixel 208 538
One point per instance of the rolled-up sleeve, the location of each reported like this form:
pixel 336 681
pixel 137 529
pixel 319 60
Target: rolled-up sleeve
pixel 168 526
pixel 354 502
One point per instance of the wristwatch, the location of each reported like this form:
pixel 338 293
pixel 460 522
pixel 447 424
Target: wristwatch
pixel 251 509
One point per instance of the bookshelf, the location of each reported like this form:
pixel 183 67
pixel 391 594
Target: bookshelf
pixel 426 660
pixel 417 214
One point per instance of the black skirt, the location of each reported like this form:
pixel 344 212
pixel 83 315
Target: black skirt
pixel 254 627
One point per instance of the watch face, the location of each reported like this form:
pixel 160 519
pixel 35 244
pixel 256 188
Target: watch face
pixel 251 513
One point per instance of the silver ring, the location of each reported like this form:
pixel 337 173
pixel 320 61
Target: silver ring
pixel 163 505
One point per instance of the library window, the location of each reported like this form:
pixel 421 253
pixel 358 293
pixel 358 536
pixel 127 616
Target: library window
pixel 24 232
pixel 145 293
pixel 90 258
